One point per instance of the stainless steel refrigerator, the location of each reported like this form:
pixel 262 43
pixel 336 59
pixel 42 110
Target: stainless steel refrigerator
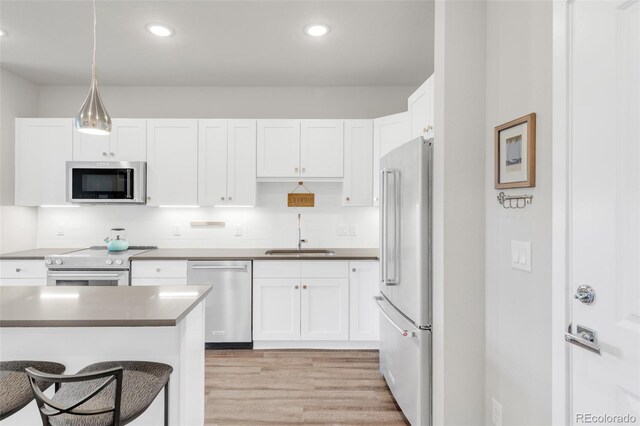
pixel 406 276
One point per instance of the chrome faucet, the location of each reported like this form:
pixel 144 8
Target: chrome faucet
pixel 300 240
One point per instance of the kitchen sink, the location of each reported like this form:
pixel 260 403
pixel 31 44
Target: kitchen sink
pixel 303 252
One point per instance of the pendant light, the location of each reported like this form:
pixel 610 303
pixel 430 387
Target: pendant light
pixel 93 117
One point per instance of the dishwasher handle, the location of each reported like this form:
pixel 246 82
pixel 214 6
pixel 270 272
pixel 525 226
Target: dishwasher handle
pixel 238 267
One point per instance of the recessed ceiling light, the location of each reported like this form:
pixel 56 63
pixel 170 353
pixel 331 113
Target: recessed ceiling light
pixel 317 30
pixel 159 30
pixel 3 33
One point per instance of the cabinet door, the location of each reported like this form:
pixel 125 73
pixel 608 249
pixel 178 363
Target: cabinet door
pixel 43 146
pixel 322 149
pixel 276 309
pixel 324 309
pixel 128 140
pixel 172 162
pixel 241 175
pixel 278 148
pixel 389 132
pixel 357 188
pixel 212 162
pixel 421 106
pixel 363 313
pixel 90 147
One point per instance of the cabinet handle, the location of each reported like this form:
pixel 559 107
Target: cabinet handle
pixel 157 269
pixel 348 198
pixel 304 287
pixel 148 198
pixel 18 269
pixel 304 170
pixel 104 154
pixel 229 198
pixel 296 287
pixel 113 154
pixel 353 270
pixel 221 198
pixel 296 170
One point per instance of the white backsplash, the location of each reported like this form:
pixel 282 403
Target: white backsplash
pixel 270 224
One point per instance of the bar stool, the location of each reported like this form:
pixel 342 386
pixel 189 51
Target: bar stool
pixel 106 393
pixel 15 391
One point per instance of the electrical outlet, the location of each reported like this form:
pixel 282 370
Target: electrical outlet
pixel 353 230
pixel 496 412
pixel 176 230
pixel 237 230
pixel 343 230
pixel 61 230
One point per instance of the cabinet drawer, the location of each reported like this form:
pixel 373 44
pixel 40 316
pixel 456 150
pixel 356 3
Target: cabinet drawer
pixel 23 269
pixel 277 269
pixel 324 269
pixel 158 281
pixel 159 269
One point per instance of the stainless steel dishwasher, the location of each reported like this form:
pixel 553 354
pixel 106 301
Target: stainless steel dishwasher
pixel 228 306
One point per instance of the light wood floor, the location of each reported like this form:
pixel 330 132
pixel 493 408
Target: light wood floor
pixel 297 386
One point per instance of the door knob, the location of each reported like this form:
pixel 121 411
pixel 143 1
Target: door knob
pixel 586 294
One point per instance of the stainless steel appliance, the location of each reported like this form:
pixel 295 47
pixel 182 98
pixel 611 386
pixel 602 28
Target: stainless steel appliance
pixel 406 277
pixel 228 306
pixel 106 182
pixel 91 267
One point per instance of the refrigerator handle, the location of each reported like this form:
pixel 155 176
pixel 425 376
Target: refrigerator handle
pixel 402 331
pixel 396 230
pixel 383 225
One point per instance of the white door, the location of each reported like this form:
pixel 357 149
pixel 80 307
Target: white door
pixel 357 187
pixel 604 206
pixel 324 309
pixel 389 132
pixel 90 147
pixel 276 309
pixel 172 162
pixel 278 148
pixel 364 322
pixel 212 162
pixel 420 105
pixel 43 146
pixel 241 155
pixel 322 149
pixel 128 140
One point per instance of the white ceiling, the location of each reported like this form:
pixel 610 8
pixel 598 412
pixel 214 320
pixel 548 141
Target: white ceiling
pixel 220 43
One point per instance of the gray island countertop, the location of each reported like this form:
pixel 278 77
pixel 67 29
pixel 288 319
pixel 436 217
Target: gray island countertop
pixel 250 254
pixel 120 306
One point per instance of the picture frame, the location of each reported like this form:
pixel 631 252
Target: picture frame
pixel 515 153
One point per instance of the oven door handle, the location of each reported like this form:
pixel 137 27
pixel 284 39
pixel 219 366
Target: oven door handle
pixel 60 275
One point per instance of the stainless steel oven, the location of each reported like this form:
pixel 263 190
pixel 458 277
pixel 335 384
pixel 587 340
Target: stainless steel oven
pixel 109 277
pixel 105 182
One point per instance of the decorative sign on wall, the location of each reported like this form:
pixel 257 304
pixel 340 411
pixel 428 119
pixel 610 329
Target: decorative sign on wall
pixel 300 199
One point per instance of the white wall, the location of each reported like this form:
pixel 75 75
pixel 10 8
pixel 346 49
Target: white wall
pixel 458 323
pixel 230 102
pixel 18 98
pixel 270 224
pixel 518 304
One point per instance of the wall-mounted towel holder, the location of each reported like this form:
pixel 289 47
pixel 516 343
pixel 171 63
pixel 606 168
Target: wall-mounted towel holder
pixel 514 201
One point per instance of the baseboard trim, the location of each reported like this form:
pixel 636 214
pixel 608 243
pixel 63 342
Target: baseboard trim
pixel 331 345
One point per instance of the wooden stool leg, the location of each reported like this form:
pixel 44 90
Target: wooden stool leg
pixel 166 404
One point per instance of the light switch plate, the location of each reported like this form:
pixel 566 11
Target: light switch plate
pixel 521 255
pixel 353 230
pixel 343 230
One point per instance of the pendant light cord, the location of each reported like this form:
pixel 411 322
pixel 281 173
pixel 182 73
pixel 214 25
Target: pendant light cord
pixel 93 64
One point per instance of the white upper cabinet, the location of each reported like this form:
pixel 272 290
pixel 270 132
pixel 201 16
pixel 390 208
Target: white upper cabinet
pixel 43 146
pixel 278 148
pixel 389 132
pixel 421 109
pixel 357 189
pixel 321 149
pixel 172 162
pixel 227 162
pixel 126 142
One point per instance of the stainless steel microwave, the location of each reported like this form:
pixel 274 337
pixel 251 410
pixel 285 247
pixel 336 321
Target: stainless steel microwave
pixel 106 182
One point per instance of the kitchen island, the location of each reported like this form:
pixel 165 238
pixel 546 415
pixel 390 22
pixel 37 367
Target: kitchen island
pixel 78 326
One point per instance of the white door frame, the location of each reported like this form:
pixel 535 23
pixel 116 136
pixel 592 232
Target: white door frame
pixel 561 250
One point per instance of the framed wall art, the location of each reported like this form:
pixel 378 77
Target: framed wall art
pixel 515 153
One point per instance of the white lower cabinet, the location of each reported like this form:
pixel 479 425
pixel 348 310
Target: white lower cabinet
pixel 364 322
pixel 23 272
pixel 314 301
pixel 159 272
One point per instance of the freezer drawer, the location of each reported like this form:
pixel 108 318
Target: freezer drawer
pixel 405 362
pixel 228 306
